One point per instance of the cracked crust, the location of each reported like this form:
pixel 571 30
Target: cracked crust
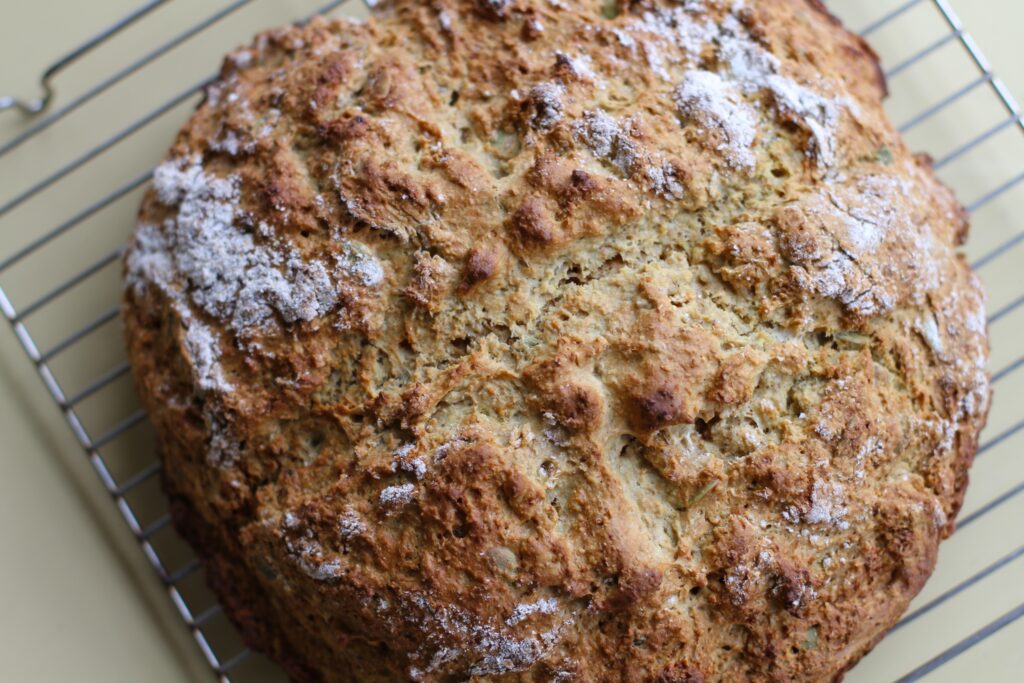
pixel 512 340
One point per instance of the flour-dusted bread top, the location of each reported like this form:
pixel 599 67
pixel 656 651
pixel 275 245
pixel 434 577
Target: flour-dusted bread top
pixel 558 340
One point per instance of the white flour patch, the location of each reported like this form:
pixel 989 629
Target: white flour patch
pixel 832 279
pixel 356 262
pixel 872 447
pixel 939 517
pixel 750 65
pixel 676 27
pixel 525 610
pixel 398 495
pixel 606 139
pixel 853 224
pixel 414 466
pixel 712 102
pixel 241 59
pixel 754 69
pixel 600 132
pixel 480 648
pixel 580 67
pixel 818 114
pixel 231 144
pixel 748 69
pixel 149 261
pixel 656 61
pixel 664 181
pixel 736 580
pixel 223 270
pixel 309 555
pixel 625 40
pixel 350 525
pixel 547 103
pixel 610 141
pixel 827 505
pixel 203 346
pixel 679 27
pixel 869 214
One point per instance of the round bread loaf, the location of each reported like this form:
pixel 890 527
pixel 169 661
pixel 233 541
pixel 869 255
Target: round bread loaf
pixel 558 340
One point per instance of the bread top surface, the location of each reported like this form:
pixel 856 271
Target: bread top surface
pixel 560 340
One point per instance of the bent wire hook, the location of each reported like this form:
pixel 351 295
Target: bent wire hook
pixel 34 107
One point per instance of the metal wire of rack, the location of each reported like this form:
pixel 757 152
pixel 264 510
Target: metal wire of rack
pixel 67 325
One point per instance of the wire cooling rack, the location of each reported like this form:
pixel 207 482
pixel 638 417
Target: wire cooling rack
pixel 73 177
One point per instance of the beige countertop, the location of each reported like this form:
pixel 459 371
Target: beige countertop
pixel 78 600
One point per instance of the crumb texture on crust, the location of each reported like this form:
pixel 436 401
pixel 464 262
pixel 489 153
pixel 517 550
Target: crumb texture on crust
pixel 554 340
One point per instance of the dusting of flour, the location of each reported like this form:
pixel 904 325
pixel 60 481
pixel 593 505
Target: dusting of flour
pixel 717 104
pixel 227 274
pixel 716 99
pixel 200 260
pixel 230 276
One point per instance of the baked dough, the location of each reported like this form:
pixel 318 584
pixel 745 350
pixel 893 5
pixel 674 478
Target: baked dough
pixel 558 340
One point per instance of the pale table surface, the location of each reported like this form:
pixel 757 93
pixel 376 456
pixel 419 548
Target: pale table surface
pixel 77 602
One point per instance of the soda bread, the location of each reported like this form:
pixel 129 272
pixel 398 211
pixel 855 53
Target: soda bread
pixel 558 340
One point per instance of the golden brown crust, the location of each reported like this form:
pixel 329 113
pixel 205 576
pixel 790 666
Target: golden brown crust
pixel 504 339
